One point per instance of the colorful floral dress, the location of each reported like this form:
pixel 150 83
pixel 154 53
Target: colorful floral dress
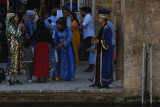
pixel 15 45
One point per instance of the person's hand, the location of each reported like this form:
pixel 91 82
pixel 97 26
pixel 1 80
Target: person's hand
pixel 56 63
pixel 60 45
pixel 20 25
pixel 23 29
pixel 75 26
pixel 81 18
pixel 72 28
pixel 0 31
pixel 96 41
pixel 56 47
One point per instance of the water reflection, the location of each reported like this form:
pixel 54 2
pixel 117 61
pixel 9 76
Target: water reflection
pixel 74 105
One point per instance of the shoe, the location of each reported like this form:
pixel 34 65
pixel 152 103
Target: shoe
pixel 95 85
pixel 38 80
pixel 57 79
pixel 103 86
pixel 44 80
pixel 30 81
pixel 49 79
pixel 88 70
pixel 90 80
pixel 9 82
pixel 18 82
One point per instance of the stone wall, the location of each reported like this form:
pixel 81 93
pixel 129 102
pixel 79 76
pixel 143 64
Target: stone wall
pixel 140 27
pixel 134 27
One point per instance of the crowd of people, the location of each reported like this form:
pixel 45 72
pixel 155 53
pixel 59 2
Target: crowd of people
pixel 47 47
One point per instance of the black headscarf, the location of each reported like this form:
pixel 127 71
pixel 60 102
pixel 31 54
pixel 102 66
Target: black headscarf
pixel 41 30
pixel 62 21
pixel 41 34
pixel 75 17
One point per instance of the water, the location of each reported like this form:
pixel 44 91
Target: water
pixel 75 105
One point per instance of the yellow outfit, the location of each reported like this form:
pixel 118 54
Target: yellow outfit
pixel 76 40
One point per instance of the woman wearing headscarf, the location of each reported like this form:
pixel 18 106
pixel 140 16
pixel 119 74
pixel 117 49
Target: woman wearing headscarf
pixel 75 35
pixel 14 35
pixel 66 56
pixel 28 53
pixel 42 37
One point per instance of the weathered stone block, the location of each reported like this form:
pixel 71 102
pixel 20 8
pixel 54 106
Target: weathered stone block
pixel 156 82
pixel 132 85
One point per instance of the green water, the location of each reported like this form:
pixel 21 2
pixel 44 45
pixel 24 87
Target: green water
pixel 74 105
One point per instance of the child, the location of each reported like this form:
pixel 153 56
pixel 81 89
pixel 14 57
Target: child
pixel 53 24
pixel 53 60
pixel 92 57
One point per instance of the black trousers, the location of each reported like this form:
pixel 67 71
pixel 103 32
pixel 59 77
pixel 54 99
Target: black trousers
pixel 97 72
pixel 87 44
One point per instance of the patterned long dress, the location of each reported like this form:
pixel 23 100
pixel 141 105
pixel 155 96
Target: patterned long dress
pixel 15 45
pixel 66 55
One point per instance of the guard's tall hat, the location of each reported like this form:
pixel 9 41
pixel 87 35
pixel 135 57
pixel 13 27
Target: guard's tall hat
pixel 103 13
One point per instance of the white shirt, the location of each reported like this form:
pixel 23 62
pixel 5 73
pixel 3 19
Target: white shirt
pixel 89 29
pixel 69 23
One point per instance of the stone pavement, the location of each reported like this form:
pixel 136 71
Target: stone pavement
pixel 79 84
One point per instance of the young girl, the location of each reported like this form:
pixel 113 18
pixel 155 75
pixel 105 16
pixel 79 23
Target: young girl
pixel 92 57
pixel 53 60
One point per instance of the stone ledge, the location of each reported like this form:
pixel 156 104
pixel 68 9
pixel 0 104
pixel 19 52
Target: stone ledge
pixel 60 96
pixel 63 91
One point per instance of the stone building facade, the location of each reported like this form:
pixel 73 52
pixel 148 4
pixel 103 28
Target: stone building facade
pixel 136 22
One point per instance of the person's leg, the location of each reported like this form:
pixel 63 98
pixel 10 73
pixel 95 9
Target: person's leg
pixel 87 44
pixel 51 62
pixel 31 70
pixel 16 81
pixel 97 72
pixel 27 69
pixel 26 66
pixel 9 81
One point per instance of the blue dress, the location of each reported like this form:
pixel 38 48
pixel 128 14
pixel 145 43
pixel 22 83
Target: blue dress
pixel 66 56
pixel 92 56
